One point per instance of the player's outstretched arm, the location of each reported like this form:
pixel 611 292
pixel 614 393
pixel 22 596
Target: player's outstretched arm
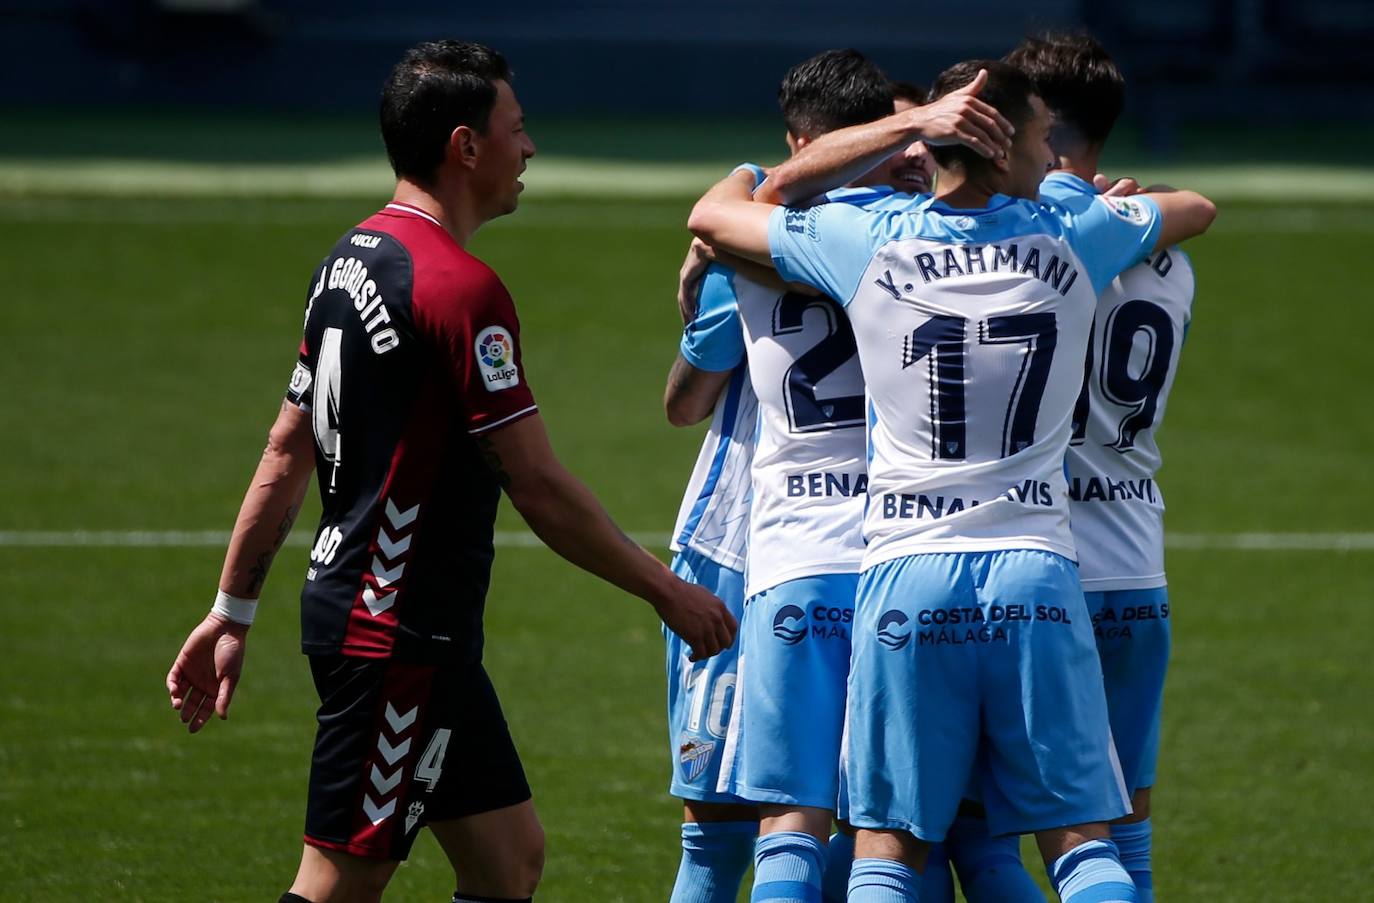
pixel 729 219
pixel 1183 215
pixel 839 157
pixel 568 518
pixel 202 679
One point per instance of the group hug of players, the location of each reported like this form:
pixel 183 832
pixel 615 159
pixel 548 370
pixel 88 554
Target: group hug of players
pixel 927 491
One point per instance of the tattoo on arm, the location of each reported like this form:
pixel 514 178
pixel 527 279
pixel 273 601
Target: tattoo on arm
pixel 257 574
pixel 678 376
pixel 493 461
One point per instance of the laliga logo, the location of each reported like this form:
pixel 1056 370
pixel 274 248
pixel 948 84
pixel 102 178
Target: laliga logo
pixel 889 635
pixel 495 351
pixel 789 625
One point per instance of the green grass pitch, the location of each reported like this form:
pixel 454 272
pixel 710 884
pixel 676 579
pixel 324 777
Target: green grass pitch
pixel 147 343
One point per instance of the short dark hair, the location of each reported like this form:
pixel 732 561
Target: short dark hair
pixel 833 89
pixel 436 87
pixel 910 92
pixel 1076 78
pixel 1008 89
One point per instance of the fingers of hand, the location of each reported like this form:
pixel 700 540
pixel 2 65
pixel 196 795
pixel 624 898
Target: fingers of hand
pixel 1124 188
pixel 226 695
pixel 976 85
pixel 993 121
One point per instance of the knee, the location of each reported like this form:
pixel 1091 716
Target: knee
pixel 534 859
pixel 527 865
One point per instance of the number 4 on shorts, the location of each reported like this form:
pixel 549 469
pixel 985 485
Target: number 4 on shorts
pixel 432 762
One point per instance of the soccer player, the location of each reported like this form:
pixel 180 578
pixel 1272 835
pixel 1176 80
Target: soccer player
pixel 1115 508
pixel 831 90
pixel 804 539
pixel 971 312
pixel 708 379
pixel 410 397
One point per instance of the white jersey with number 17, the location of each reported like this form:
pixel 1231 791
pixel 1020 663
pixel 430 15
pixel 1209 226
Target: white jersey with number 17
pixel 972 327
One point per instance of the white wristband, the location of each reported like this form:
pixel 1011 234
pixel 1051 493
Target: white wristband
pixel 240 611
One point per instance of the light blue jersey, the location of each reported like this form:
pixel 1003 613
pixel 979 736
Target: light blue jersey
pixel 971 327
pixel 1115 505
pixel 709 542
pixel 714 516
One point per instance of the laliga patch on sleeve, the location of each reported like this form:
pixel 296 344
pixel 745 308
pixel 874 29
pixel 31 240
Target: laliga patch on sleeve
pixel 496 359
pixel 1129 209
pixel 300 380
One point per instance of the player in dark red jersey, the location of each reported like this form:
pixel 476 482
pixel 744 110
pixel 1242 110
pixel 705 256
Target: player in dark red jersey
pixel 410 397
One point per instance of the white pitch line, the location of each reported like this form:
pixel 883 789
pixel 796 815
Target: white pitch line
pixel 209 539
pixel 523 539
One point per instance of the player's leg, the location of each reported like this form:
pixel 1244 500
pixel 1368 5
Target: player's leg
pixel 717 847
pixel 332 876
pixel 912 724
pixel 718 829
pixel 989 868
pixel 784 743
pixel 496 855
pixel 1133 641
pixel 375 721
pixel 937 882
pixel 888 867
pixel 1133 836
pixel 1049 759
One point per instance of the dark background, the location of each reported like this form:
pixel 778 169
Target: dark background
pixel 1259 63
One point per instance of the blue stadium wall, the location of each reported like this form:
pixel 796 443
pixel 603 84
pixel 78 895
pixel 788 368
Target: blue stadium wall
pixel 1188 59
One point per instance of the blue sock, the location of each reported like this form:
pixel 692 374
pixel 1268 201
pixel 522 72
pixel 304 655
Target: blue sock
pixel 937 885
pixel 1092 873
pixel 839 856
pixel 787 868
pixel 1133 841
pixel 989 868
pixel 883 881
pixel 715 855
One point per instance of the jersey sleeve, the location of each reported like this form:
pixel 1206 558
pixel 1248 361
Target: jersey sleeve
pixel 826 247
pixel 478 336
pixel 300 391
pixel 1111 234
pixel 714 340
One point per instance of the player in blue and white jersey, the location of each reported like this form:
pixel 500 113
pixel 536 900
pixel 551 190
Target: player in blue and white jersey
pixel 830 90
pixel 972 643
pixel 805 544
pixel 1115 508
pixel 709 378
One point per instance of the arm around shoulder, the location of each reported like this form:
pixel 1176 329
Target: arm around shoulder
pixel 1183 215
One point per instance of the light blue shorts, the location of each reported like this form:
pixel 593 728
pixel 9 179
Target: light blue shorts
pixel 784 743
pixel 1132 628
pixel 977 666
pixel 701 695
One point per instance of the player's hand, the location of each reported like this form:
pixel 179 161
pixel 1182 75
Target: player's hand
pixel 961 118
pixel 1118 188
pixel 206 670
pixel 695 614
pixel 699 256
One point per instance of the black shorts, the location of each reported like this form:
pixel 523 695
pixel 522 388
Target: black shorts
pixel 400 745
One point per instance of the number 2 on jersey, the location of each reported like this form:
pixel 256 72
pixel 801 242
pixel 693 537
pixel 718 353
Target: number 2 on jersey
pixel 806 412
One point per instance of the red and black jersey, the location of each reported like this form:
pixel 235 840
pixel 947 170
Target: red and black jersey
pixel 411 348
